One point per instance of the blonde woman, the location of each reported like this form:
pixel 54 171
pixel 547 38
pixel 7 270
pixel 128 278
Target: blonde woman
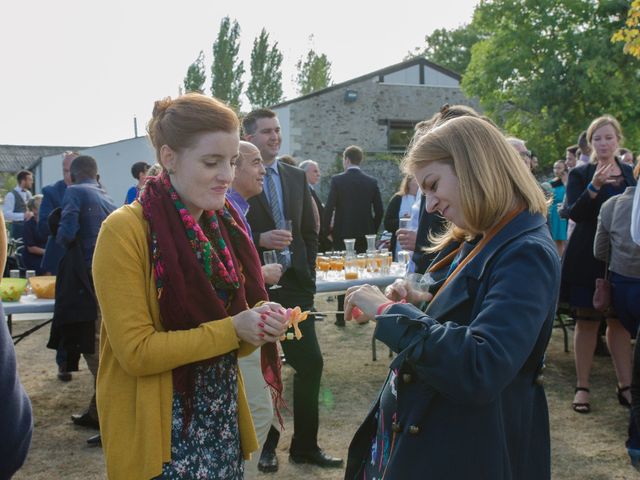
pixel 588 187
pixel 464 397
pixel 400 207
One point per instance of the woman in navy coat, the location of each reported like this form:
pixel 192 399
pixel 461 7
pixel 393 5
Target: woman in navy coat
pixel 464 397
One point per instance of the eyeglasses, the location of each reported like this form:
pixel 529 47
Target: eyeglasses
pixel 525 154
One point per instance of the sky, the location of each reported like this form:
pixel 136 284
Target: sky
pixel 76 72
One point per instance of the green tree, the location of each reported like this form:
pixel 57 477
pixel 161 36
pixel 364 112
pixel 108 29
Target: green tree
pixel 227 70
pixel 265 87
pixel 449 48
pixel 543 69
pixel 314 73
pixel 196 75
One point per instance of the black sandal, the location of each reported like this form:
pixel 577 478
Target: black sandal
pixel 581 407
pixel 621 398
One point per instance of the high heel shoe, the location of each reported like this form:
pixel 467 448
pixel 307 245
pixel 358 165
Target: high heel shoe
pixel 621 398
pixel 581 407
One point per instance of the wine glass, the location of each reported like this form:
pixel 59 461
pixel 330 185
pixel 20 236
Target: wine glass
pixel 271 257
pixel 287 225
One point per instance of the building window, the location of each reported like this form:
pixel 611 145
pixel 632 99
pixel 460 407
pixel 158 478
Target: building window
pixel 399 134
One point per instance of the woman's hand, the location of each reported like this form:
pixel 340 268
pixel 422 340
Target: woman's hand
pixel 402 290
pixel 367 298
pixel 602 176
pixel 262 324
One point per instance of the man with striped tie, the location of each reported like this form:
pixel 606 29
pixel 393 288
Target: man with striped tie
pixel 286 197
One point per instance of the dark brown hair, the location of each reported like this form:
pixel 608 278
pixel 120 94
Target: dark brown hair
pixel 175 122
pixel 251 119
pixel 22 175
pixel 354 154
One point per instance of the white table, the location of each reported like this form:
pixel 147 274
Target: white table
pixel 338 286
pixel 27 304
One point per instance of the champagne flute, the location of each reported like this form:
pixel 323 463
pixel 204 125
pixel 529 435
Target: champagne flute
pixel 287 225
pixel 271 257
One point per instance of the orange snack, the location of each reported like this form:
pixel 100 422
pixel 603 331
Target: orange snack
pixel 295 316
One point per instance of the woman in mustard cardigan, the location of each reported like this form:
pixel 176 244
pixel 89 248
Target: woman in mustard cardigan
pixel 182 296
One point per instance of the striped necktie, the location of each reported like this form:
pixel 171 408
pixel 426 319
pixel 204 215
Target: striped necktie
pixel 284 256
pixel 272 194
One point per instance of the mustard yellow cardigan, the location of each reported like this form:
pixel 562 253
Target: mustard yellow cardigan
pixel 134 385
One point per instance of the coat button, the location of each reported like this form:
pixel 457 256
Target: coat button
pixel 407 378
pixel 414 429
pixel 395 426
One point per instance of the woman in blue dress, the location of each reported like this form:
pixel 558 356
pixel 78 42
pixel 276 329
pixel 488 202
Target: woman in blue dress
pixel 558 225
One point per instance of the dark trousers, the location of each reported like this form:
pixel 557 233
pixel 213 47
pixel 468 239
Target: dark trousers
pixel 305 358
pixel 17 228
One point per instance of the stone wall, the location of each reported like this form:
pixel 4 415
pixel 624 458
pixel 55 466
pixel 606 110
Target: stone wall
pixel 322 126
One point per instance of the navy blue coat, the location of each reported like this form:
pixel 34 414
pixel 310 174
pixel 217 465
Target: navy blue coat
pixel 52 199
pixel 469 395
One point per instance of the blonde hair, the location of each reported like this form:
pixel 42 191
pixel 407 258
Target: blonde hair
pixel 34 203
pixel 492 178
pixel 155 169
pixel 598 123
pixel 404 185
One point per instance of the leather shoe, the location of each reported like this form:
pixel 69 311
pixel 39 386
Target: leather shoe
pixel 85 420
pixel 95 441
pixel 318 458
pixel 268 462
pixel 339 323
pixel 63 375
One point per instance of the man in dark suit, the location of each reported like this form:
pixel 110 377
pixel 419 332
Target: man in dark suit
pixel 52 196
pixel 286 196
pixel 355 198
pixel 312 171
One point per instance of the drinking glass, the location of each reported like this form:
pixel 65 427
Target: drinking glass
pixel 29 288
pixel 386 261
pixel 271 257
pixel 405 223
pixel 288 226
pixel 14 273
pixel 404 257
pixel 420 283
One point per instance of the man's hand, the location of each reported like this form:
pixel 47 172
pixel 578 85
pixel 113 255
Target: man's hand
pixel 272 273
pixel 406 238
pixel 275 239
pixel 27 215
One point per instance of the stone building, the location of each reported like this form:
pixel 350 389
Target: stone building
pixel 376 111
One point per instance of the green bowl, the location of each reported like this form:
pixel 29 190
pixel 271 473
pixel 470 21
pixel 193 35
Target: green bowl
pixel 12 288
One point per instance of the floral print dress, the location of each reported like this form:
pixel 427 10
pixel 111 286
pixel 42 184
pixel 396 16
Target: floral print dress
pixel 210 447
pixel 382 443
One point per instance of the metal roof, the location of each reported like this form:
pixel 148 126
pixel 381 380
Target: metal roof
pixel 14 158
